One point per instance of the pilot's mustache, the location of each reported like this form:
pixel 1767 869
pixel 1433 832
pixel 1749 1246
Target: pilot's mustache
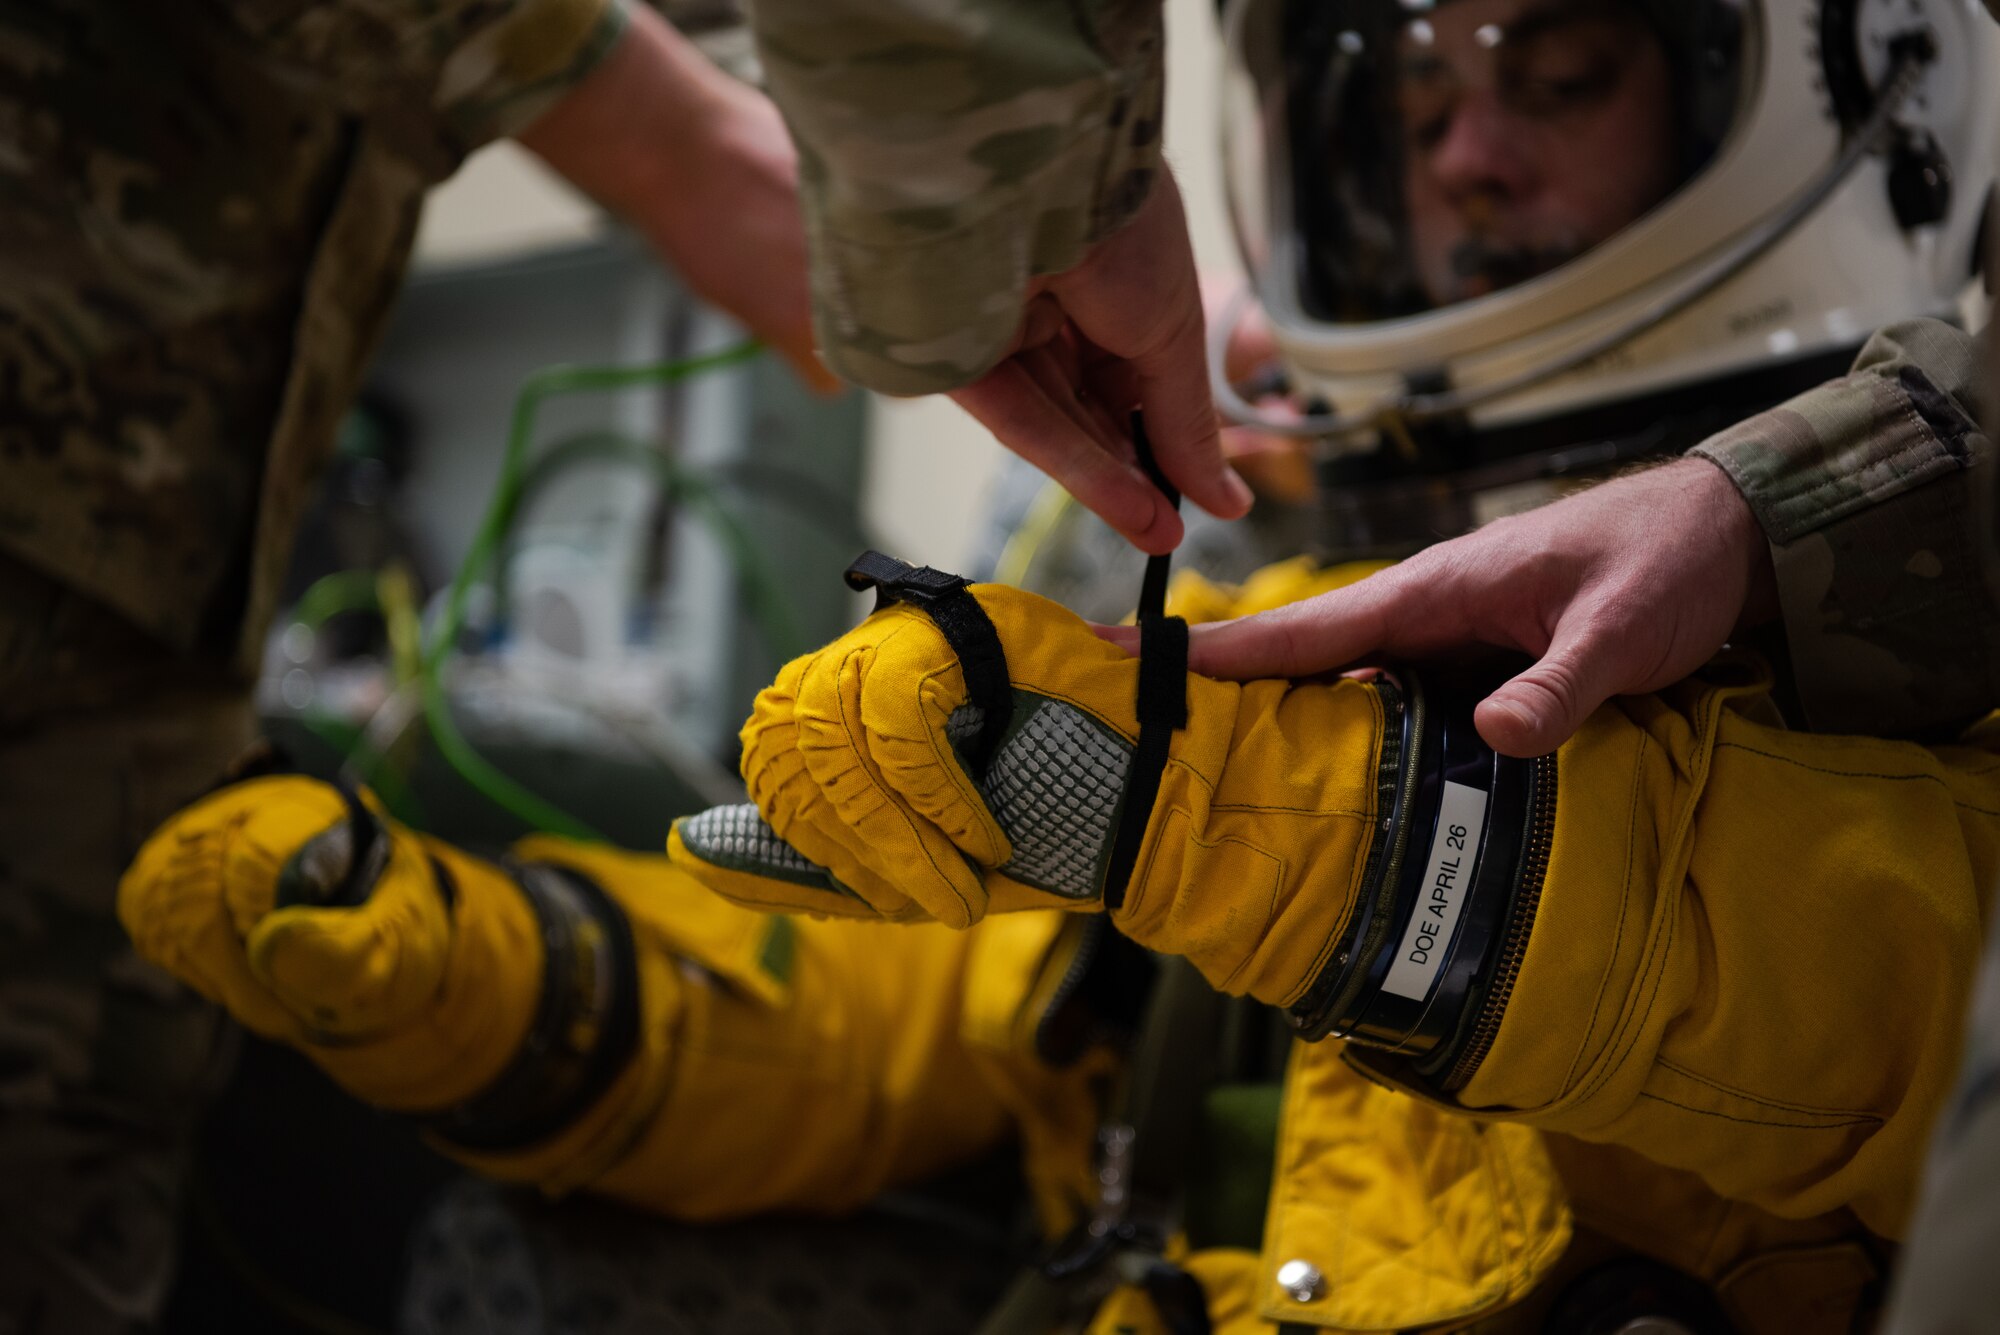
pixel 1497 264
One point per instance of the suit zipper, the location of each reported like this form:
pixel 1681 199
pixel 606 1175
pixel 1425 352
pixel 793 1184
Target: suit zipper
pixel 1521 925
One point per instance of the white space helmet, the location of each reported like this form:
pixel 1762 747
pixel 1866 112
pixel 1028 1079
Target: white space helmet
pixel 1472 215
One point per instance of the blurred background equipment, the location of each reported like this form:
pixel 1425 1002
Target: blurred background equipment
pixel 576 523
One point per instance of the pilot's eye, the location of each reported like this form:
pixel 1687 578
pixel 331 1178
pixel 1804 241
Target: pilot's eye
pixel 1429 100
pixel 1561 70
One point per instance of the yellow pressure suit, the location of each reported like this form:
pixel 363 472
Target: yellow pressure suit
pixel 1725 1042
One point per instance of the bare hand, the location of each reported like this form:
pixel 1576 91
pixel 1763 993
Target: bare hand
pixel 1121 330
pixel 702 166
pixel 1624 588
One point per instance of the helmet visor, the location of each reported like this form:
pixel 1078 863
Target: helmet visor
pixel 1393 157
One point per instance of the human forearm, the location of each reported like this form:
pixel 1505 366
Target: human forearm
pixel 642 121
pixel 699 164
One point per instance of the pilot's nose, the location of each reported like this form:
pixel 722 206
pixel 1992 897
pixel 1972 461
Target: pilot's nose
pixel 1482 155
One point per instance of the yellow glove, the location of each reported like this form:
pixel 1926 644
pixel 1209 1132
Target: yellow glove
pixel 407 969
pixel 1253 849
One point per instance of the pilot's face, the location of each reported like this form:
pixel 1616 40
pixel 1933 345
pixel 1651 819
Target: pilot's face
pixel 1533 129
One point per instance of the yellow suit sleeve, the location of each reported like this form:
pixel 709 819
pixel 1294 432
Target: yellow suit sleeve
pixel 1753 950
pixel 583 1018
pixel 781 1063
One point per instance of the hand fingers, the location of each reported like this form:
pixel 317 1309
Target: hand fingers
pixel 1011 404
pixel 1040 322
pixel 1137 297
pixel 1125 637
pixel 366 970
pixel 173 902
pixel 1332 630
pixel 837 699
pixel 734 852
pixel 1172 384
pixel 807 366
pixel 206 878
pixel 907 728
pixel 789 797
pixel 1056 370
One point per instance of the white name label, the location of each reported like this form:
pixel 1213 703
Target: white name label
pixel 1461 817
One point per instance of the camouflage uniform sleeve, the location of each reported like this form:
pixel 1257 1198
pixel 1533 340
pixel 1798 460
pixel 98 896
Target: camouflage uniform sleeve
pixel 473 70
pixel 1873 490
pixel 949 151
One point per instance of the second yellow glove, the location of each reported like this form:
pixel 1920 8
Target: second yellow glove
pixel 409 970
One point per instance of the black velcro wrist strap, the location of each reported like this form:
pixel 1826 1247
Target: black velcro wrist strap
pixel 585 1027
pixel 947 599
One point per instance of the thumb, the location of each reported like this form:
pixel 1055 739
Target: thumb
pixel 1542 707
pixel 356 972
pixel 204 881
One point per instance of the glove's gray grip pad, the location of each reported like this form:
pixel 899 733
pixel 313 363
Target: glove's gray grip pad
pixel 740 839
pixel 1054 787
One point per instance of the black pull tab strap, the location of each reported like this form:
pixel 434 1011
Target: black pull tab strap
pixel 947 600
pixel 1153 590
pixel 1162 702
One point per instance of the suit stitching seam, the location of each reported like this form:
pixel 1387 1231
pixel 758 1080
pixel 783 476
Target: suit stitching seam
pixel 1271 910
pixel 1895 486
pixel 1712 708
pixel 1758 1121
pixel 1774 1104
pixel 1863 774
pixel 1239 808
pixel 1379 718
pixel 1624 908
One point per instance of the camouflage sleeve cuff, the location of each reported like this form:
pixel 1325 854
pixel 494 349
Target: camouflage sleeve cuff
pixel 950 153
pixel 1878 518
pixel 446 75
pixel 507 73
